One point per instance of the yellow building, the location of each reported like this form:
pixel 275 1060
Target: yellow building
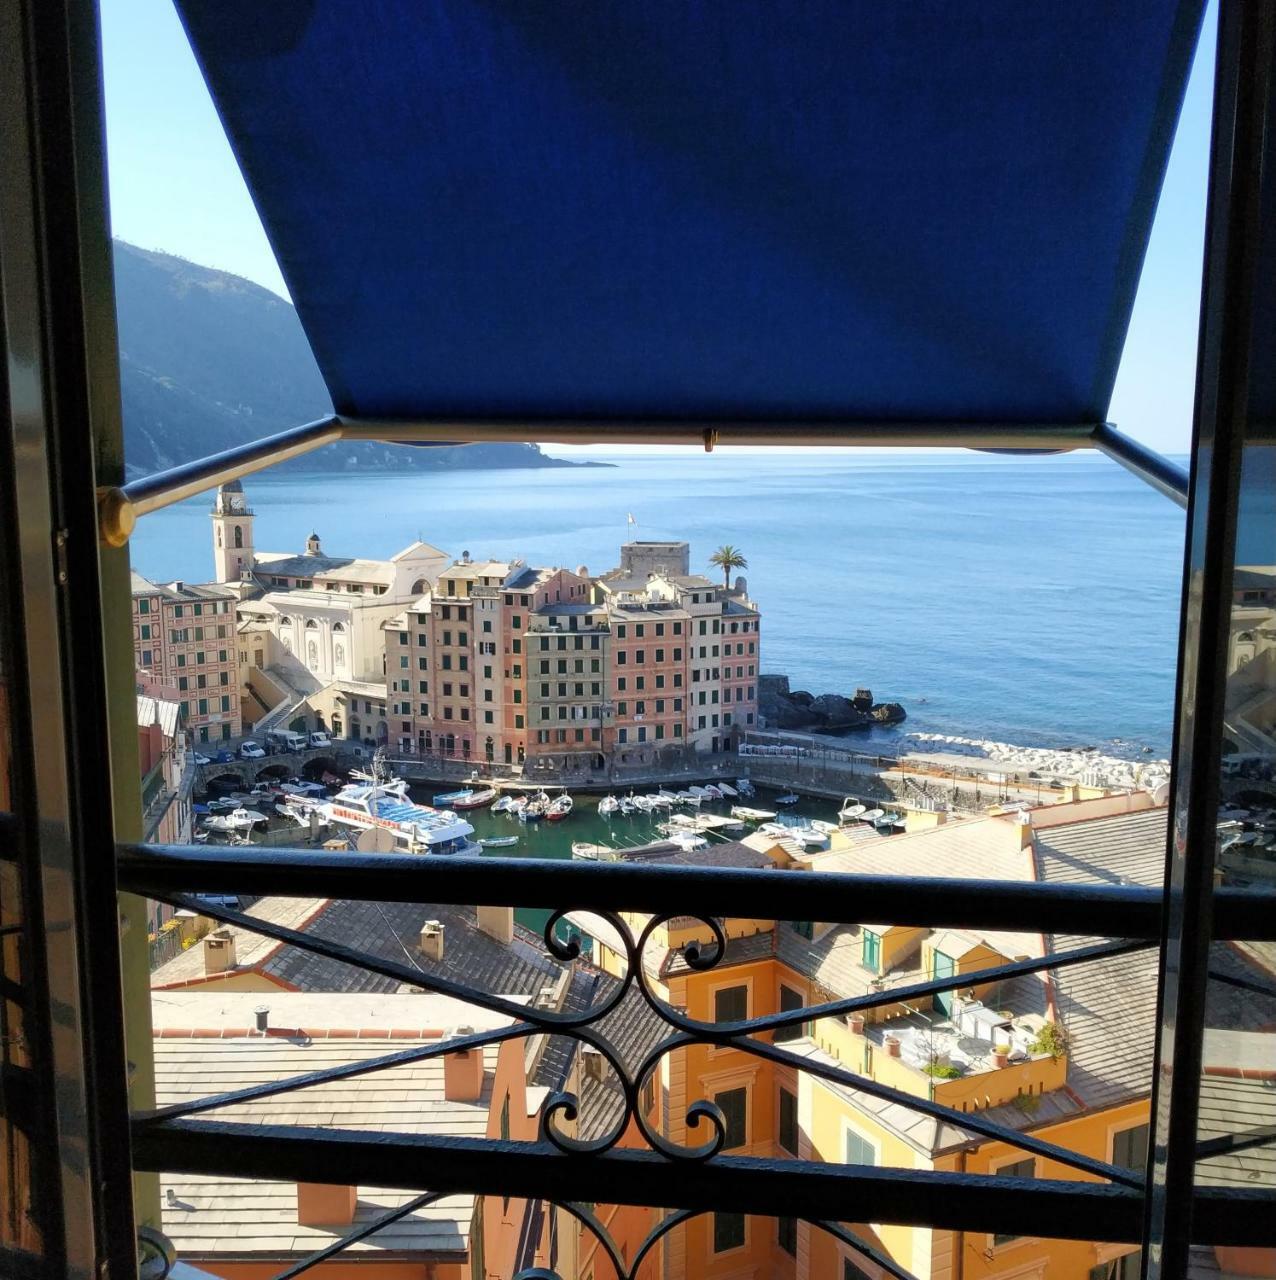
pixel 1064 1056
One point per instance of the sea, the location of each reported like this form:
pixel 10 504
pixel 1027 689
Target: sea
pixel 1032 600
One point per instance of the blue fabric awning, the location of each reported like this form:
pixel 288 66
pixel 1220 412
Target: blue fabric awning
pixel 855 210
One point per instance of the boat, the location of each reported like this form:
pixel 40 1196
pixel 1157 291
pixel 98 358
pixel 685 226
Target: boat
pixel 751 815
pixel 498 842
pixel 236 820
pixel 587 851
pixel 625 805
pixel 534 809
pixel 713 792
pixel 700 793
pixel 872 816
pixel 727 790
pixel 745 788
pixel 790 797
pixel 607 806
pixel 687 797
pixel 503 805
pixel 824 828
pixel 559 809
pixel 382 801
pixel 448 799
pixel 659 801
pixel 688 840
pixel 641 803
pixel 516 805
pixel 476 799
pixel 851 810
pixel 670 797
pixel 330 779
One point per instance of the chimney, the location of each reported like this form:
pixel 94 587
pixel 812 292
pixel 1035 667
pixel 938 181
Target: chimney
pixel 432 940
pixel 497 922
pixel 219 952
pixel 592 1062
pixel 463 1072
pixel 320 1204
pixel 262 1014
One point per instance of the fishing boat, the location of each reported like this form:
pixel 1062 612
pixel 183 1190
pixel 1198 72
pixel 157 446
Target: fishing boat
pixel 790 797
pixel 476 799
pixel 751 815
pixel 607 806
pixel 503 805
pixel 670 796
pixel 625 805
pixel 452 799
pixel 516 806
pixel 659 801
pixel 688 840
pixel 688 797
pixel 700 793
pixel 872 816
pixel 745 788
pixel 498 842
pixel 589 852
pixel 382 801
pixel 713 792
pixel 824 828
pixel 535 809
pixel 851 810
pixel 559 808
pixel 641 803
pixel 890 822
pixel 727 790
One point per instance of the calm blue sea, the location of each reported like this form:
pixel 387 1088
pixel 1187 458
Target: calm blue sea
pixel 1028 600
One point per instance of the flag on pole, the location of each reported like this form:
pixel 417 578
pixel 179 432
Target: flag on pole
pixel 631 518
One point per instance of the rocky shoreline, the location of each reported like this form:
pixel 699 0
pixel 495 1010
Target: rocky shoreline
pixel 780 707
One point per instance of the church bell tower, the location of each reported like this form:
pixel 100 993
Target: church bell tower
pixel 232 533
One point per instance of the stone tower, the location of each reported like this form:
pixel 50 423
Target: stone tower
pixel 232 533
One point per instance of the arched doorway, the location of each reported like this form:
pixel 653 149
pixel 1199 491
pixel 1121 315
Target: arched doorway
pixel 489 750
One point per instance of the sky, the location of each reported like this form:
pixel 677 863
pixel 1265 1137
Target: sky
pixel 175 187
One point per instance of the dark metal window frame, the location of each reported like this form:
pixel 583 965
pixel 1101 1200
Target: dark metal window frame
pixel 56 291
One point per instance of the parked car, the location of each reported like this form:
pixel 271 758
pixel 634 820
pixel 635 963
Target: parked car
pixel 251 751
pixel 320 739
pixel 285 740
pixel 224 756
pixel 202 759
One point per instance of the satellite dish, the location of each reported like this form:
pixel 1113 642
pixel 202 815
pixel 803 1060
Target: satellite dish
pixel 375 840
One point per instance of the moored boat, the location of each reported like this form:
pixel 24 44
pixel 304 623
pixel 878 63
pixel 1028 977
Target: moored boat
pixel 588 851
pixel 607 806
pixel 790 797
pixel 476 799
pixel 379 801
pixel 498 842
pixel 752 815
pixel 559 809
pixel 503 804
pixel 452 799
pixel 744 788
pixel 727 790
pixel 851 810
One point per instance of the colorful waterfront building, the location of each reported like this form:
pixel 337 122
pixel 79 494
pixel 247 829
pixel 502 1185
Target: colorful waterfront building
pixel 184 635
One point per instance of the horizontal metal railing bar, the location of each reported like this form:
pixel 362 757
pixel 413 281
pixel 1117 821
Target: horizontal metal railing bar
pixel 743 1184
pixel 1093 910
pixel 1166 477
pixel 121 507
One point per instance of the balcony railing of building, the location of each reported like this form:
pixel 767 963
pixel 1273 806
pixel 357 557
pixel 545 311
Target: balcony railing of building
pixel 62 401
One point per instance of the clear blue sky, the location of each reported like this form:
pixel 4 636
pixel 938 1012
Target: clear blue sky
pixel 175 186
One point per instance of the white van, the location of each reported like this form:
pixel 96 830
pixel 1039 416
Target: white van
pixel 286 740
pixel 320 739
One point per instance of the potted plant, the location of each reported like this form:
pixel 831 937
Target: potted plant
pixel 856 1023
pixel 1000 1055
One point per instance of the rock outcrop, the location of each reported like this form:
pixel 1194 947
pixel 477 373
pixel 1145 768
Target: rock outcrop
pixel 780 707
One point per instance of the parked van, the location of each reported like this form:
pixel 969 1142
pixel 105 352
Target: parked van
pixel 286 740
pixel 320 739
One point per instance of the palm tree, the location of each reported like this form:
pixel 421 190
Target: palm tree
pixel 727 558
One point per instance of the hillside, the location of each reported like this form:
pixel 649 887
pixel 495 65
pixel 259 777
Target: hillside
pixel 209 360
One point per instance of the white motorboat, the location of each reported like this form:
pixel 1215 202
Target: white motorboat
pixel 503 804
pixel 726 789
pixel 498 842
pixel 688 797
pixel 516 806
pixel 751 815
pixel 383 802
pixel 713 792
pixel 688 840
pixel 873 816
pixel 535 808
pixel 660 801
pixel 641 803
pixel 236 820
pixel 745 788
pixel 669 796
pixel 625 805
pixel 791 797
pixel 851 810
pixel 824 828
pixel 607 806
pixel 700 793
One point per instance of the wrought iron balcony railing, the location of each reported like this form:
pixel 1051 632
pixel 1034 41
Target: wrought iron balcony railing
pixel 568 1170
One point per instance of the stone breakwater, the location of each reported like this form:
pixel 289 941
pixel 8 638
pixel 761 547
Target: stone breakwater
pixel 1088 765
pixel 780 707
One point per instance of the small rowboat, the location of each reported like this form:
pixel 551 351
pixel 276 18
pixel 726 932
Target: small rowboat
pixel 498 842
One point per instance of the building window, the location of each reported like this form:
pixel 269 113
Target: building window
pixel 871 957
pixel 789 1001
pixel 1019 1169
pixel 730 1004
pixel 786 1235
pixel 859 1150
pixel 734 1105
pixel 788 1135
pixel 728 1232
pixel 1130 1148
